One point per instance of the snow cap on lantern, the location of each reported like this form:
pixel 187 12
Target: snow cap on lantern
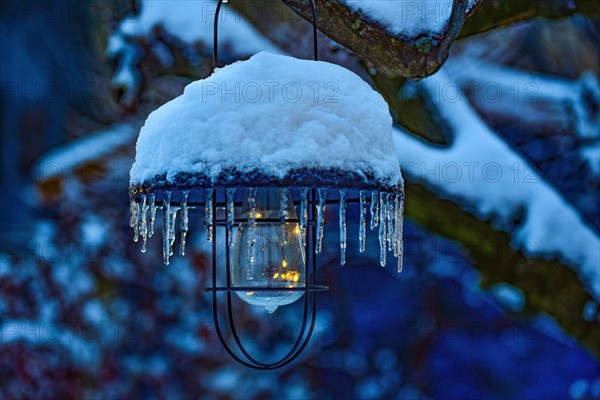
pixel 270 120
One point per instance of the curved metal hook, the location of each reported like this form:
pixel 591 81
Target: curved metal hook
pixel 216 31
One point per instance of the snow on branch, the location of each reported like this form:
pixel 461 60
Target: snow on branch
pixel 192 21
pixel 408 38
pixel 65 159
pixel 411 38
pixel 520 94
pixel 164 25
pixel 491 179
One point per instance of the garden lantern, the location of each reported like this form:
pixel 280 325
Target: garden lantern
pixel 257 151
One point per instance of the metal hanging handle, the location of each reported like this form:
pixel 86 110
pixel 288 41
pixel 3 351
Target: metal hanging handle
pixel 216 31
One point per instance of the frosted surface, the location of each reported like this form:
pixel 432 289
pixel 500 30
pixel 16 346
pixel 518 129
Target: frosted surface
pixel 406 17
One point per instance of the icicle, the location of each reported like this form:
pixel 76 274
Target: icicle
pixel 230 194
pixel 389 214
pixel 343 193
pixel 172 231
pixel 208 214
pixel 132 212
pixel 184 221
pixel 382 232
pixel 374 209
pixel 144 222
pixel 252 207
pixel 166 226
pixel 362 235
pixel 399 232
pixel 152 217
pixel 320 218
pixel 303 214
pixel 135 219
pixel 283 212
pixel 252 224
pixel 395 228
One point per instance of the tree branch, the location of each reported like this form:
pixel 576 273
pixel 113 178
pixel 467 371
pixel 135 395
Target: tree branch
pixel 415 57
pixel 491 14
pixel 548 286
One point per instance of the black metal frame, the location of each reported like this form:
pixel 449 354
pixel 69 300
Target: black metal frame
pixel 310 290
pixel 216 32
pixel 333 178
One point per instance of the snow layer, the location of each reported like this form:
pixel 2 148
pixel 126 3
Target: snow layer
pixel 407 17
pixel 517 91
pixel 66 158
pixel 274 114
pixel 192 20
pixel 489 176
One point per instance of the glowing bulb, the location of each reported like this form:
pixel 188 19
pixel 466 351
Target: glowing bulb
pixel 268 255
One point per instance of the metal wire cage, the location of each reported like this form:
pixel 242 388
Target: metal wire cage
pixel 310 289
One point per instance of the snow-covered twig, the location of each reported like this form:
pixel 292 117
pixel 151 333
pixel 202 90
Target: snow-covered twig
pixel 488 176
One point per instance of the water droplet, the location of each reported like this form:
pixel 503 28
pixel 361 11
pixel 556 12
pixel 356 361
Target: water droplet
pixel 271 309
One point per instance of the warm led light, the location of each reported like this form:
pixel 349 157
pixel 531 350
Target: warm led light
pixel 268 254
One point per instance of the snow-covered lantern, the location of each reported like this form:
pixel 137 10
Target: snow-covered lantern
pixel 258 150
